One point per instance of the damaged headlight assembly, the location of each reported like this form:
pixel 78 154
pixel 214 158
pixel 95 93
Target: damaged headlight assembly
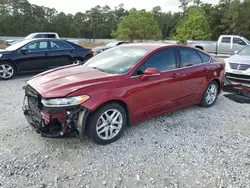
pixel 63 102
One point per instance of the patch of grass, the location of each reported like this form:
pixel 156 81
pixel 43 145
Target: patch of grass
pixel 92 44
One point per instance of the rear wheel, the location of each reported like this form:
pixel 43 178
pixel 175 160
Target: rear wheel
pixel 107 124
pixel 210 95
pixel 77 61
pixel 7 71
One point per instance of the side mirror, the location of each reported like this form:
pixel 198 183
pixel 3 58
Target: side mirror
pixel 236 52
pixel 150 72
pixel 23 50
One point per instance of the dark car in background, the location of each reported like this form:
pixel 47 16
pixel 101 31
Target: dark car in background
pixel 39 55
pixel 100 49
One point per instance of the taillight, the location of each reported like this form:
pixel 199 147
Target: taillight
pixel 91 51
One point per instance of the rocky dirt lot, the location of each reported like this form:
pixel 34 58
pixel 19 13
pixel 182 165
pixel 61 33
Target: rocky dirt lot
pixel 194 147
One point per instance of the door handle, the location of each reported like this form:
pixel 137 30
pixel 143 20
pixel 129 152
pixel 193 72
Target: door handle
pixel 174 75
pixel 205 69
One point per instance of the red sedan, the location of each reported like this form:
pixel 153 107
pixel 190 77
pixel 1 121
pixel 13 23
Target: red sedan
pixel 121 87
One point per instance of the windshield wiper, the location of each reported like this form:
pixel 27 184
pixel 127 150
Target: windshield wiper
pixel 102 70
pixel 97 68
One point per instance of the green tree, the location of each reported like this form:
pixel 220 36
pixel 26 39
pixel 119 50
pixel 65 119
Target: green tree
pixel 193 26
pixel 138 25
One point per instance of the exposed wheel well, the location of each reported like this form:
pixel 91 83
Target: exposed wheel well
pixel 199 47
pixel 218 83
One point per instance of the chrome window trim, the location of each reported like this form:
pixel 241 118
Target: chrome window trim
pixel 72 48
pixel 177 68
pixel 34 43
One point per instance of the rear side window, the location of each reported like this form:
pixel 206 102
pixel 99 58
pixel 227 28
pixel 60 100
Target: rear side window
pixel 205 58
pixel 189 57
pixel 51 35
pixel 40 36
pixel 59 45
pixel 226 40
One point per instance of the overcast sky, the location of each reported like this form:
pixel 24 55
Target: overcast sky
pixel 73 6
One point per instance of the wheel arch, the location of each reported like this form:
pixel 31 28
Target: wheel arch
pixel 120 102
pixel 10 61
pixel 218 83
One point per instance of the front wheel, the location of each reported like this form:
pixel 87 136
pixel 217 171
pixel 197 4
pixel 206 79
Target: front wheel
pixel 7 71
pixel 107 124
pixel 210 95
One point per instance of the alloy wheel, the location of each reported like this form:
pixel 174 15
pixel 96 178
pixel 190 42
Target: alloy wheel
pixel 109 124
pixel 76 62
pixel 6 71
pixel 212 93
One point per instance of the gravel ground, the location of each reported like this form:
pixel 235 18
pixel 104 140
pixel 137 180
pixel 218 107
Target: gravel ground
pixel 194 147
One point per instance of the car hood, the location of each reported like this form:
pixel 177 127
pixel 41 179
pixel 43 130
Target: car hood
pixel 239 59
pixel 62 81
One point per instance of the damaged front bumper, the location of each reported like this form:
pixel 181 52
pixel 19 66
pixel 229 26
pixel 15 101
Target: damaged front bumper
pixel 53 122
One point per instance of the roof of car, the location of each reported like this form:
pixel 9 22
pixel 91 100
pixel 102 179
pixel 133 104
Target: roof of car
pixel 153 46
pixel 44 33
pixel 38 39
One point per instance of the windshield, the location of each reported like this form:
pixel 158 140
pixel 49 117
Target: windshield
pixel 117 60
pixel 245 51
pixel 111 44
pixel 17 45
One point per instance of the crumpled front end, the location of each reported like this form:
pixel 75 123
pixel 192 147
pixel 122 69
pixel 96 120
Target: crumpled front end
pixel 53 122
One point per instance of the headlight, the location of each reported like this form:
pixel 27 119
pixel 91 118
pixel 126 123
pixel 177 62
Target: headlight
pixel 1 55
pixel 226 64
pixel 70 101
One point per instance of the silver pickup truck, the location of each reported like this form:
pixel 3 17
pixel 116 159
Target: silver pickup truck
pixel 226 44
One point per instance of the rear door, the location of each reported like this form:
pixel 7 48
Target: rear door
pixel 60 53
pixel 194 73
pixel 225 45
pixel 157 94
pixel 36 57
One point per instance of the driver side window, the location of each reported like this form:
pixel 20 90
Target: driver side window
pixel 163 60
pixel 37 46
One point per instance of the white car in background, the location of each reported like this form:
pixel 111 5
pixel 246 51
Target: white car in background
pixel 238 65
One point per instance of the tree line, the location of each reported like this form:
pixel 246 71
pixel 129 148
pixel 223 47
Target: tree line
pixel 196 20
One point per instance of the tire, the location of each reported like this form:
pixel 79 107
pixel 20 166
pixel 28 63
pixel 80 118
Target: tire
pixel 99 124
pixel 87 57
pixel 212 90
pixel 7 71
pixel 77 61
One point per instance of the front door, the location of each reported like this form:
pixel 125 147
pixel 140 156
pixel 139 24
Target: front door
pixel 35 58
pixel 156 94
